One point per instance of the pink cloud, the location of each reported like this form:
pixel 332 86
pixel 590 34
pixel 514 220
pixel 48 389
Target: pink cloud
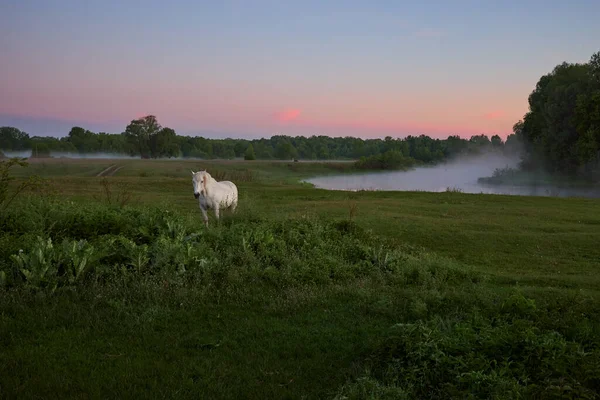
pixel 287 115
pixel 494 114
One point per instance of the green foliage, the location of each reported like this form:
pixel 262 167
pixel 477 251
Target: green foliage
pixel 561 131
pixel 249 154
pixel 595 66
pixel 78 258
pixel 140 135
pixel 6 197
pixel 502 176
pixel 505 351
pixel 38 266
pixel 40 150
pixel 286 252
pixel 496 141
pixel 284 150
pixel 45 266
pixel 389 160
pixel 13 139
pixel 164 144
pixel 145 137
pixel 84 140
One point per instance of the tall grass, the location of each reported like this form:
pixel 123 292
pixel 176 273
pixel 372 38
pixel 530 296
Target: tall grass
pixel 118 194
pixel 7 196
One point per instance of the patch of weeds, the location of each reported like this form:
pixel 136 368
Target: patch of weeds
pixel 8 193
pixel 500 351
pixel 46 266
pixel 119 195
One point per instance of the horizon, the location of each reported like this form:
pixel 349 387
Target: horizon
pixel 68 125
pixel 234 70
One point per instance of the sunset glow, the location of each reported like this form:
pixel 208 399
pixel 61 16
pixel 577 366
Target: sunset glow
pixel 342 69
pixel 287 115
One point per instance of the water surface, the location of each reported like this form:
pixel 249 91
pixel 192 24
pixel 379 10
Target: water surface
pixel 459 175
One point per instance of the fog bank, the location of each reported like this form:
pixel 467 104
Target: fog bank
pixel 459 174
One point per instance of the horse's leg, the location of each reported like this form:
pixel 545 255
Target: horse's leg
pixel 217 212
pixel 204 216
pixel 233 206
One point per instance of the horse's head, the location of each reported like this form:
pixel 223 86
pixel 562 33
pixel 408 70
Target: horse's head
pixel 199 180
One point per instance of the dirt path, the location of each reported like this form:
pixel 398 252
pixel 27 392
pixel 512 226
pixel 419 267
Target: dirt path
pixel 110 171
pixel 114 171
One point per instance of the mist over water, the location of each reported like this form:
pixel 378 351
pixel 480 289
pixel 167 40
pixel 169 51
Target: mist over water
pixel 58 154
pixel 16 154
pixel 97 156
pixel 460 174
pixel 89 156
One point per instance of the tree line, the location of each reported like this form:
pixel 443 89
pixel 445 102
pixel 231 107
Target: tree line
pixel 561 130
pixel 146 138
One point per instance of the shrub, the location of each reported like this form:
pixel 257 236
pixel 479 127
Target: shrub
pixel 488 349
pixel 389 160
pixel 481 359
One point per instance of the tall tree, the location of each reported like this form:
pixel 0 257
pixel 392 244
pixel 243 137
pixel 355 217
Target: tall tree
pixel 164 144
pixel 138 134
pixel 561 130
pixel 496 142
pixel 13 139
pixel 285 150
pixel 83 140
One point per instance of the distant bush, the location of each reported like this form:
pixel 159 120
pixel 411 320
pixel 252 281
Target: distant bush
pixel 249 154
pixel 40 150
pixel 502 176
pixel 522 177
pixel 453 190
pixel 389 160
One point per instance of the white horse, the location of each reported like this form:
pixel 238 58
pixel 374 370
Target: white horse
pixel 213 194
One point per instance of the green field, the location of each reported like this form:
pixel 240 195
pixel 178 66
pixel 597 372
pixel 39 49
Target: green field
pixel 303 293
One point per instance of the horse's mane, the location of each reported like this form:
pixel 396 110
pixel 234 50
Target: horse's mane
pixel 209 177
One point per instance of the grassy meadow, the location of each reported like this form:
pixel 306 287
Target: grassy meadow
pixel 111 287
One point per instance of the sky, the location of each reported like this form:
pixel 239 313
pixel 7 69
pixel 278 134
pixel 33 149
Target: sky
pixel 249 69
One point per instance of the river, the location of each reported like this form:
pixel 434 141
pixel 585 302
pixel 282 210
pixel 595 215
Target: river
pixel 458 175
